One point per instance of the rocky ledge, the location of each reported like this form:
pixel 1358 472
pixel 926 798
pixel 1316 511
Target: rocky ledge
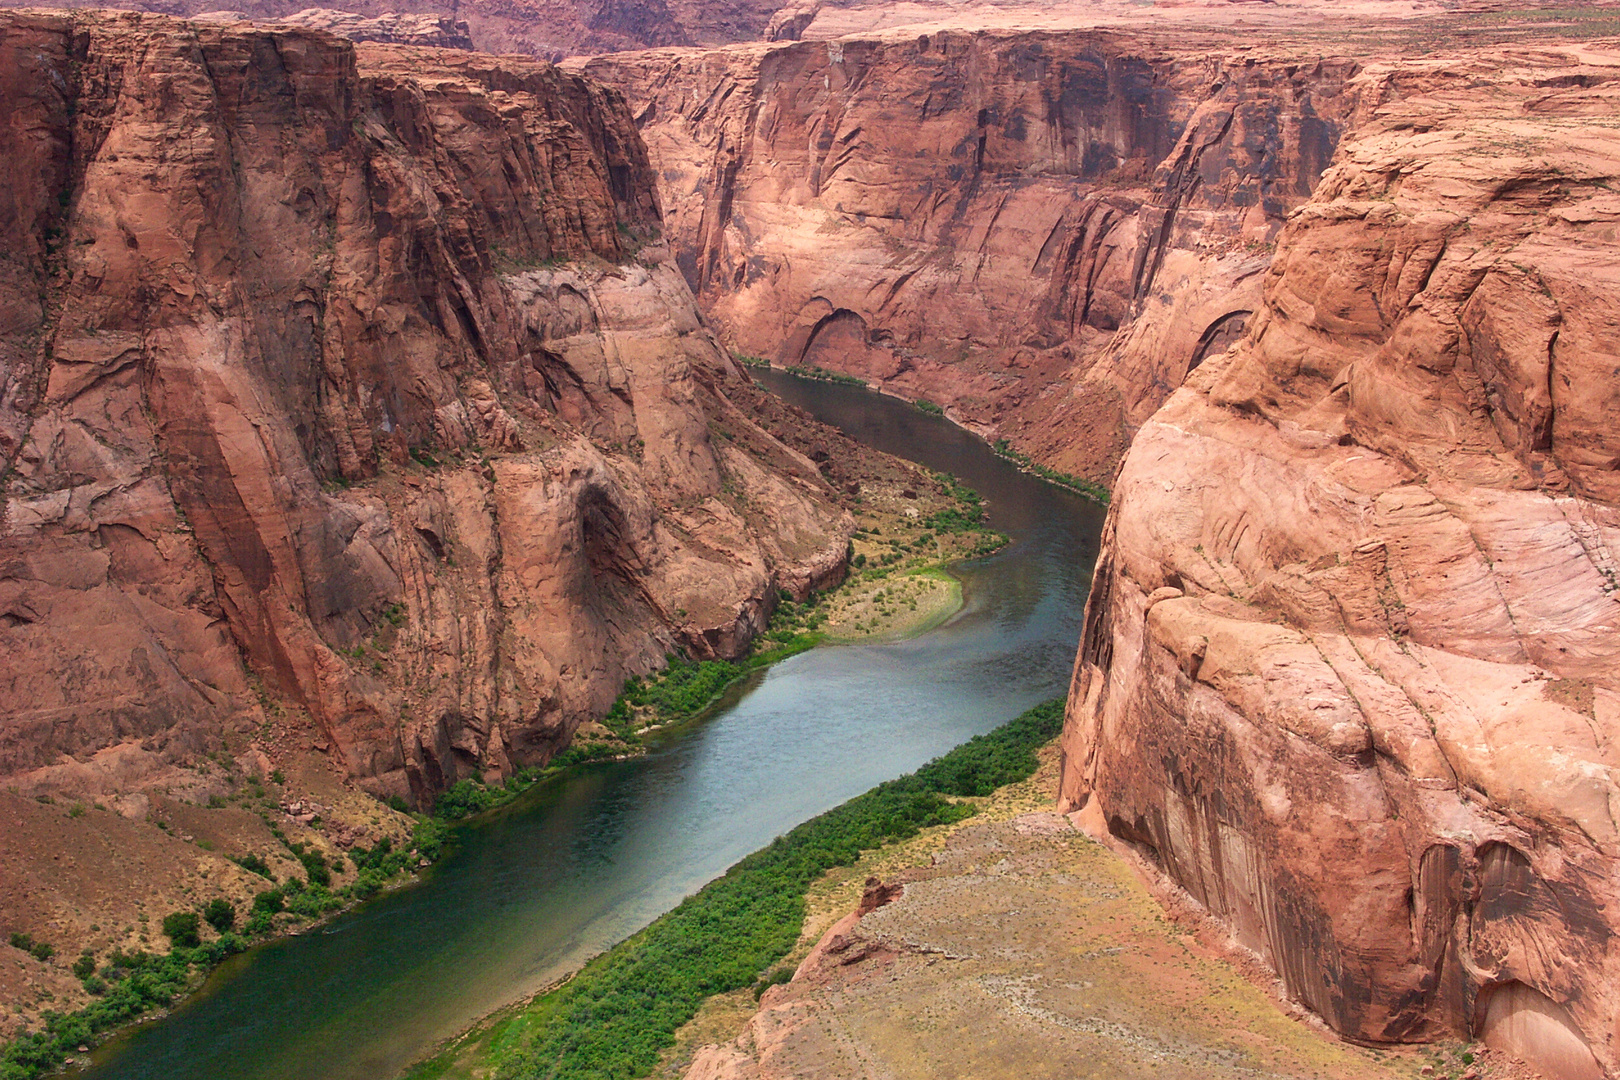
pixel 390 28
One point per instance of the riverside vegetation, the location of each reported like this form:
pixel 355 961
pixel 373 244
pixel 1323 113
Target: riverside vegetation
pixel 914 549
pixel 612 1020
pixel 1092 490
pixel 128 985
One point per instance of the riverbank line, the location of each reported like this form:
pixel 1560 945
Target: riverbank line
pixel 904 539
pixel 1086 488
pixel 620 1014
pixel 898 585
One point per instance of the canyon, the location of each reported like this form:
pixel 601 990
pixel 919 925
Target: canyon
pixel 290 371
pixel 372 408
pixel 350 410
pixel 1347 677
pixel 1040 231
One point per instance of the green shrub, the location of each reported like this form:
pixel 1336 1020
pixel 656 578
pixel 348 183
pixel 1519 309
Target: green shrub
pixel 315 867
pixel 254 864
pixel 39 950
pixel 220 914
pixel 429 837
pixel 465 798
pixel 1005 756
pixel 180 928
pixel 779 975
pixel 312 901
pixel 270 901
pixel 84 966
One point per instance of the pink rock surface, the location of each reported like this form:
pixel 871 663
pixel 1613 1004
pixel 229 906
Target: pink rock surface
pixel 1349 668
pixel 329 380
pixel 1041 230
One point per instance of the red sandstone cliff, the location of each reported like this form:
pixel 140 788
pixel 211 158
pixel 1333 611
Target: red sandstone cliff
pixel 1044 231
pixel 550 29
pixel 334 377
pixel 1349 671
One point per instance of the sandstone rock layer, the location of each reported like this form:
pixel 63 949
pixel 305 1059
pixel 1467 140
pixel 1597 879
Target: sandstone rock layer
pixel 1043 231
pixel 1349 672
pixel 352 382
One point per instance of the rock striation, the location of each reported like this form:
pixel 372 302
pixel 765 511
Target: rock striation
pixel 352 382
pixel 1042 230
pixel 435 31
pixel 1349 673
pixel 548 29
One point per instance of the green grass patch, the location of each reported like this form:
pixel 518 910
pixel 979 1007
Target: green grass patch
pixel 821 374
pixel 611 1021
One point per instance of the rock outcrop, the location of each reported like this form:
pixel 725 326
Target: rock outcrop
pixel 1043 231
pixel 548 29
pixel 1351 666
pixel 433 31
pixel 352 382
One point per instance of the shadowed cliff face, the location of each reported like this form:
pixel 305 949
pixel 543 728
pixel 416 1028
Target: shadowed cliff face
pixel 1350 666
pixel 1044 231
pixel 328 381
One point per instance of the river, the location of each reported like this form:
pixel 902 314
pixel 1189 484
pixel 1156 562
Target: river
pixel 584 861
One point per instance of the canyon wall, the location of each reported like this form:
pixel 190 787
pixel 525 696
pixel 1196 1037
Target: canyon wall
pixel 1349 673
pixel 351 383
pixel 1043 231
pixel 548 29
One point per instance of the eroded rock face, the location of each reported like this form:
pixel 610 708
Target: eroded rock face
pixel 1349 671
pixel 329 380
pixel 1044 231
pixel 435 31
pixel 548 29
